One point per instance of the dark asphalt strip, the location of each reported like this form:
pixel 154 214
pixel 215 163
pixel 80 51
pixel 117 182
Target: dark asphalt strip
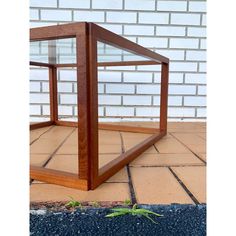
pixel 183 220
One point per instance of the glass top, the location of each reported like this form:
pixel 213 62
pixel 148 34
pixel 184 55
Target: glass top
pixel 63 51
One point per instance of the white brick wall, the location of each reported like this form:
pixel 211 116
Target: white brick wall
pixel 174 28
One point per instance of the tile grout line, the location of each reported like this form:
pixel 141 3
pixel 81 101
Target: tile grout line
pixel 130 183
pixel 194 199
pixel 54 152
pixel 42 134
pixel 188 148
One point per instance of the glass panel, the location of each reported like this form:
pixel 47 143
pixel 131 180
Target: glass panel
pixel 60 51
pixel 108 53
pixel 39 94
pixel 127 96
pixel 67 94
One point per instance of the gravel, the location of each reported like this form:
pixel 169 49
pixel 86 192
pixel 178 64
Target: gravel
pixel 177 220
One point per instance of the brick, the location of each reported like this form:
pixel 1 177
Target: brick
pixel 35 110
pixel 171 5
pixel 121 17
pixel 137 100
pixel 195 101
pixel 147 112
pixel 34 86
pixel 42 4
pixel 39 98
pixel 204 19
pixel 46 110
pixel 197 6
pixel 195 78
pixel 185 19
pixel 201 112
pixel 202 67
pixel 183 43
pixel 170 31
pixel 138 30
pixel 68 99
pixel 172 100
pixel 203 44
pixel 119 88
pixel 149 68
pixel 119 111
pixel 172 54
pixel 101 88
pixel 107 76
pixel 150 18
pixel 148 89
pixel 45 87
pixel 137 77
pixel 40 24
pixel 176 78
pixel 38 74
pixel 109 100
pixel 141 5
pixel 153 42
pixel 74 4
pixel 56 15
pixel 182 89
pixel 107 4
pixel 100 111
pixel 181 112
pixel 117 29
pixel 201 90
pixel 67 75
pixel 65 110
pixel 197 32
pixel 34 14
pixel 91 16
pixel 183 66
pixel 64 87
pixel 196 55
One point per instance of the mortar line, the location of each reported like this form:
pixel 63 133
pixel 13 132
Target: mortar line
pixel 130 182
pixel 188 148
pixel 194 199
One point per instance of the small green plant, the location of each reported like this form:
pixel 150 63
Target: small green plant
pixel 95 204
pixel 134 211
pixel 73 203
pixel 127 202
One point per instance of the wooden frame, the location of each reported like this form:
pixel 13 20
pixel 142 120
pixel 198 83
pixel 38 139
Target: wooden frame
pixel 87 35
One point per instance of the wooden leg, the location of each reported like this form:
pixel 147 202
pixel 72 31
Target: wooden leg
pixel 164 96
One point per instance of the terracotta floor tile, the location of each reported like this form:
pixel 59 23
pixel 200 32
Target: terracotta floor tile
pixel 202 135
pixel 157 185
pixel 151 150
pixel 189 138
pixel 68 163
pixel 165 159
pixel 109 148
pixel 34 134
pixel 42 146
pixel 58 132
pixel 105 192
pixel 186 127
pixel 195 180
pixel 197 148
pixel 171 145
pixel 132 139
pixel 38 159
